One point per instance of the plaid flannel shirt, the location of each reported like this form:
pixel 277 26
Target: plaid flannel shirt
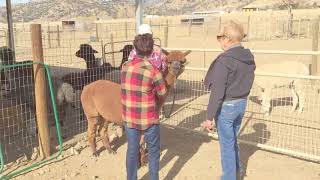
pixel 141 82
pixel 157 58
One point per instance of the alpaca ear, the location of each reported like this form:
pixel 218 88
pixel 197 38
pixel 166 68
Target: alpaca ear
pixel 165 52
pixel 186 53
pixel 78 53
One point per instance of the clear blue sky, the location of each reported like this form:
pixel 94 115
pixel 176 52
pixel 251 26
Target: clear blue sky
pixel 3 2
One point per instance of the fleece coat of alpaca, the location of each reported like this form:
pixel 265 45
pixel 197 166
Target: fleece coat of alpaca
pixel 108 110
pixel 102 98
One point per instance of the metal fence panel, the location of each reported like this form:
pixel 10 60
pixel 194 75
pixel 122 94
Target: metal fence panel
pixel 283 130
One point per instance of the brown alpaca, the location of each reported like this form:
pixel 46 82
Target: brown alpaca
pixel 102 99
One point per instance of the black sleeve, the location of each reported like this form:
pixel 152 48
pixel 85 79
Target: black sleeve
pixel 218 83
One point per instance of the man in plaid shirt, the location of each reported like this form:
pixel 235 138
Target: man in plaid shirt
pixel 141 84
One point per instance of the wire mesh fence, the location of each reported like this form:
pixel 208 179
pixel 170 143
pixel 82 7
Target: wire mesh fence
pixel 3 37
pixel 68 65
pixel 27 68
pixel 77 64
pixel 17 121
pixel 74 62
pixel 170 29
pixel 283 129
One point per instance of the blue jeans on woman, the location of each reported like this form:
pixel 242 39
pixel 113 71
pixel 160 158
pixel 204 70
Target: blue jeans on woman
pixel 152 138
pixel 228 123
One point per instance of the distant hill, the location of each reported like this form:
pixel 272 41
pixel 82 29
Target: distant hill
pixel 67 9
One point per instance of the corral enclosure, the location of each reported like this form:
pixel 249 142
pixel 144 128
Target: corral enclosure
pixel 287 132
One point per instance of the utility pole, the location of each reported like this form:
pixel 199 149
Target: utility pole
pixel 139 13
pixel 10 25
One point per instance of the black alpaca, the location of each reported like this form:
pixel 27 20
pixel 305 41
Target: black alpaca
pixel 93 72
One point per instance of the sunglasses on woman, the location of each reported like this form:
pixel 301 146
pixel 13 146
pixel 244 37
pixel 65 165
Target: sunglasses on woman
pixel 219 37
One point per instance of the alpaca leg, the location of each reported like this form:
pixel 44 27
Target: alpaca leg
pixel 142 142
pixel 302 100
pixel 295 99
pixel 266 101
pixel 143 152
pixel 260 98
pixel 100 126
pixel 105 137
pixel 92 128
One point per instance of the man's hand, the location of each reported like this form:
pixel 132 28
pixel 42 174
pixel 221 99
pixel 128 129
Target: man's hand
pixel 208 125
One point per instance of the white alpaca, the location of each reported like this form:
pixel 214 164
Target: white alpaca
pixel 297 86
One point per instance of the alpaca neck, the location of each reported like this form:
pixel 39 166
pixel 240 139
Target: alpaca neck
pixel 90 61
pixel 170 79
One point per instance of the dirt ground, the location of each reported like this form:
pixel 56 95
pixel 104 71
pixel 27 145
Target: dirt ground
pixel 184 155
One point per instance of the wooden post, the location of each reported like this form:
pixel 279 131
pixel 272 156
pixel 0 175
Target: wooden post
pixel 315 69
pixel 7 39
pixel 219 24
pixel 308 30
pixel 287 31
pixel 190 26
pixel 58 35
pixel 49 38
pixel 265 29
pixel 112 50
pixel 203 29
pixel 97 32
pixel 103 53
pixel 290 22
pixel 74 35
pixel 248 26
pixel 166 34
pixel 40 91
pixel 299 28
pixel 207 29
pixel 126 29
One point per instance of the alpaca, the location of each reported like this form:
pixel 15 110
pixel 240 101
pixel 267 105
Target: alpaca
pixel 94 71
pixel 297 86
pixel 103 99
pixel 86 52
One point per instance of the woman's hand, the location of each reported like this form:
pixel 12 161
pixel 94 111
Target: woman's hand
pixel 208 125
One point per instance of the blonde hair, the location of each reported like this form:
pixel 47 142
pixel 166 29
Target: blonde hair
pixel 234 31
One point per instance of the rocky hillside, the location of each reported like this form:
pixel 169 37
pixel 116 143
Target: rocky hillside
pixel 68 9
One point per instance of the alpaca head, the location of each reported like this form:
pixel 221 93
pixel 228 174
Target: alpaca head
pixel 87 53
pixel 176 61
pixel 125 53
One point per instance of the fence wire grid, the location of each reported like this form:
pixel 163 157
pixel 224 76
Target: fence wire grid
pixel 284 129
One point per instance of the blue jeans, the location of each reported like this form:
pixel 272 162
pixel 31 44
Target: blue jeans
pixel 228 123
pixel 152 138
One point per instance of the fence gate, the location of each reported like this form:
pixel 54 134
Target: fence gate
pixel 18 129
